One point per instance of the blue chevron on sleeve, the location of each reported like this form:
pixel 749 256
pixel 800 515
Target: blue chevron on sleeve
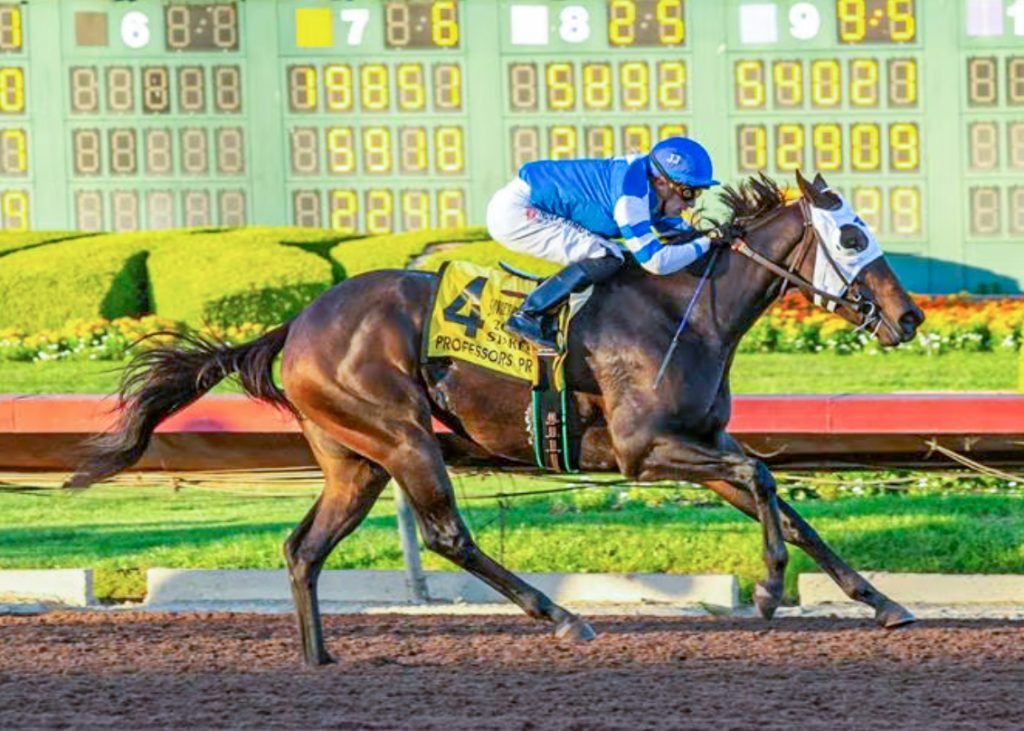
pixel 645 254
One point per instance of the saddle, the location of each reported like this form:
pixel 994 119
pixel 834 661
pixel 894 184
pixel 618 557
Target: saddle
pixel 467 315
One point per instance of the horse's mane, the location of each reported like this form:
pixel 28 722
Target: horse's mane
pixel 752 198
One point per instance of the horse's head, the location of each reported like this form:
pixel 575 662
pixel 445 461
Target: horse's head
pixel 848 263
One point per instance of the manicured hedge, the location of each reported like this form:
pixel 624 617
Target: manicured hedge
pixel 487 253
pixel 253 275
pixel 82 278
pixel 396 251
pixel 246 275
pixel 11 241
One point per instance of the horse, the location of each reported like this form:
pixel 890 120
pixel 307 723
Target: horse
pixel 353 376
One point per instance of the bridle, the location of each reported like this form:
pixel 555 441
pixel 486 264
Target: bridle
pixel 871 317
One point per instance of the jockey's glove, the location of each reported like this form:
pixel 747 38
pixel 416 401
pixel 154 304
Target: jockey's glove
pixel 685 238
pixel 724 234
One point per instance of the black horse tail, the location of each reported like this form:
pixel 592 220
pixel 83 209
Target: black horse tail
pixel 161 381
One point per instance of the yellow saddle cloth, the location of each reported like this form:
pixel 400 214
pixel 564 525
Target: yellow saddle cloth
pixel 467 319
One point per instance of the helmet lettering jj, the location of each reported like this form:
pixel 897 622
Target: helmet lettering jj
pixel 685 160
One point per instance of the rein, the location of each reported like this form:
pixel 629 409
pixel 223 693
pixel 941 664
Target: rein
pixel 789 276
pixel 865 307
pixel 870 314
pixel 686 318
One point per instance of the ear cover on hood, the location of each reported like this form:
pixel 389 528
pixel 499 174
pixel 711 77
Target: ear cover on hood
pixel 834 227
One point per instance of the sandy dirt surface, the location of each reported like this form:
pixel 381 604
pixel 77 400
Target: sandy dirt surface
pixel 187 671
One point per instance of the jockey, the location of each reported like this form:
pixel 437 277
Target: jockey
pixel 566 211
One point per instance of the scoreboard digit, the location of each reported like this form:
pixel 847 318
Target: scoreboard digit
pixel 15 172
pixel 593 79
pixel 376 137
pixel 154 105
pixel 656 23
pixel 838 108
pixel 876 21
pixel 992 57
pixel 208 27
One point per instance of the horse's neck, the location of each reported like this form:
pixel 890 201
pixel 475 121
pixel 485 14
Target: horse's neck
pixel 739 290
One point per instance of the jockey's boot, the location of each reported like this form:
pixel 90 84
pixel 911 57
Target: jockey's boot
pixel 530 321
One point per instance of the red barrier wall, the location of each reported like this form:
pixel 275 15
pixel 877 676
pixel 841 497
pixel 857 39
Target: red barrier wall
pixel 234 432
pixel 828 414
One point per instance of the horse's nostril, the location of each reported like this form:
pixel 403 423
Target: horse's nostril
pixel 910 320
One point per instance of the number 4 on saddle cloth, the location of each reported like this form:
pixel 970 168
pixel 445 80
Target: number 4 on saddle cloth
pixel 467 317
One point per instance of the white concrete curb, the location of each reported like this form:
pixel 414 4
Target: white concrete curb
pixel 947 589
pixel 70 587
pixel 190 586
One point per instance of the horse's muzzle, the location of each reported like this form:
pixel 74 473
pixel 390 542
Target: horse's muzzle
pixel 909 322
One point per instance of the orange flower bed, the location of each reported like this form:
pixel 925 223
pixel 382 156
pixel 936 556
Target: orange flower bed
pixel 952 322
pixel 107 339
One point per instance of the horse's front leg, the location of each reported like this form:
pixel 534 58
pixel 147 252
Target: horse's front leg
pixel 675 457
pixel 799 532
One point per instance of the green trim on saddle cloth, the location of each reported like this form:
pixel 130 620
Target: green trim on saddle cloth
pixel 567 460
pixel 555 424
pixel 535 411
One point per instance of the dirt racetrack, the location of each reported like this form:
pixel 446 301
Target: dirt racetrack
pixel 135 670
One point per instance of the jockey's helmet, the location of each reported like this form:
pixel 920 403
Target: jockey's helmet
pixel 684 160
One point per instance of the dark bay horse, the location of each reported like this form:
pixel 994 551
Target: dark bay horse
pixel 352 374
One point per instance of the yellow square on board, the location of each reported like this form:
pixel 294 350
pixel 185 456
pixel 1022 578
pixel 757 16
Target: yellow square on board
pixel 314 28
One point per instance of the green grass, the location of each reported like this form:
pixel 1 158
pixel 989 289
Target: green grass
pixel 225 276
pixel 752 373
pixel 11 241
pixel 44 377
pixel 120 530
pixel 43 287
pixel 874 373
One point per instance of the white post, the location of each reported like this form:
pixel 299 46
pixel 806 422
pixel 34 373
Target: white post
pixel 414 579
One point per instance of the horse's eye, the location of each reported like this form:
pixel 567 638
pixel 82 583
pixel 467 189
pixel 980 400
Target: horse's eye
pixel 853 238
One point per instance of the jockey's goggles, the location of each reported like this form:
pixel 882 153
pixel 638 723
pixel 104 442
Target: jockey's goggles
pixel 686 192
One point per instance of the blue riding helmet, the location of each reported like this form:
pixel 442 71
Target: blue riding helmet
pixel 685 160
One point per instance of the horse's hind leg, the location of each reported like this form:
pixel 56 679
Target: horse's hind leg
pixel 352 485
pixel 418 467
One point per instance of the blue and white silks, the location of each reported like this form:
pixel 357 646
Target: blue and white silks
pixel 566 211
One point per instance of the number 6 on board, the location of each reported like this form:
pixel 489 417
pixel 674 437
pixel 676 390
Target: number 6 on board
pixel 135 29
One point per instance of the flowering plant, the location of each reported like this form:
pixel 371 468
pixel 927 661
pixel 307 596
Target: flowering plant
pixel 952 322
pixel 108 339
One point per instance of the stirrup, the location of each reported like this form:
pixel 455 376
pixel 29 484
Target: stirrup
pixel 531 328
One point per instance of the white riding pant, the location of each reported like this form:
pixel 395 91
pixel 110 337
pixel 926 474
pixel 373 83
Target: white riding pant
pixel 514 223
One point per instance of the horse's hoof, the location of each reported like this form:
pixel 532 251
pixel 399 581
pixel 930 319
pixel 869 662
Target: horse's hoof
pixel 892 615
pixel 765 601
pixel 576 629
pixel 320 660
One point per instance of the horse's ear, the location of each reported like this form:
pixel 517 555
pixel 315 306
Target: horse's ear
pixel 805 187
pixel 817 192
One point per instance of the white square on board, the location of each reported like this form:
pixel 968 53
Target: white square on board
pixel 529 25
pixel 759 23
pixel 984 18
